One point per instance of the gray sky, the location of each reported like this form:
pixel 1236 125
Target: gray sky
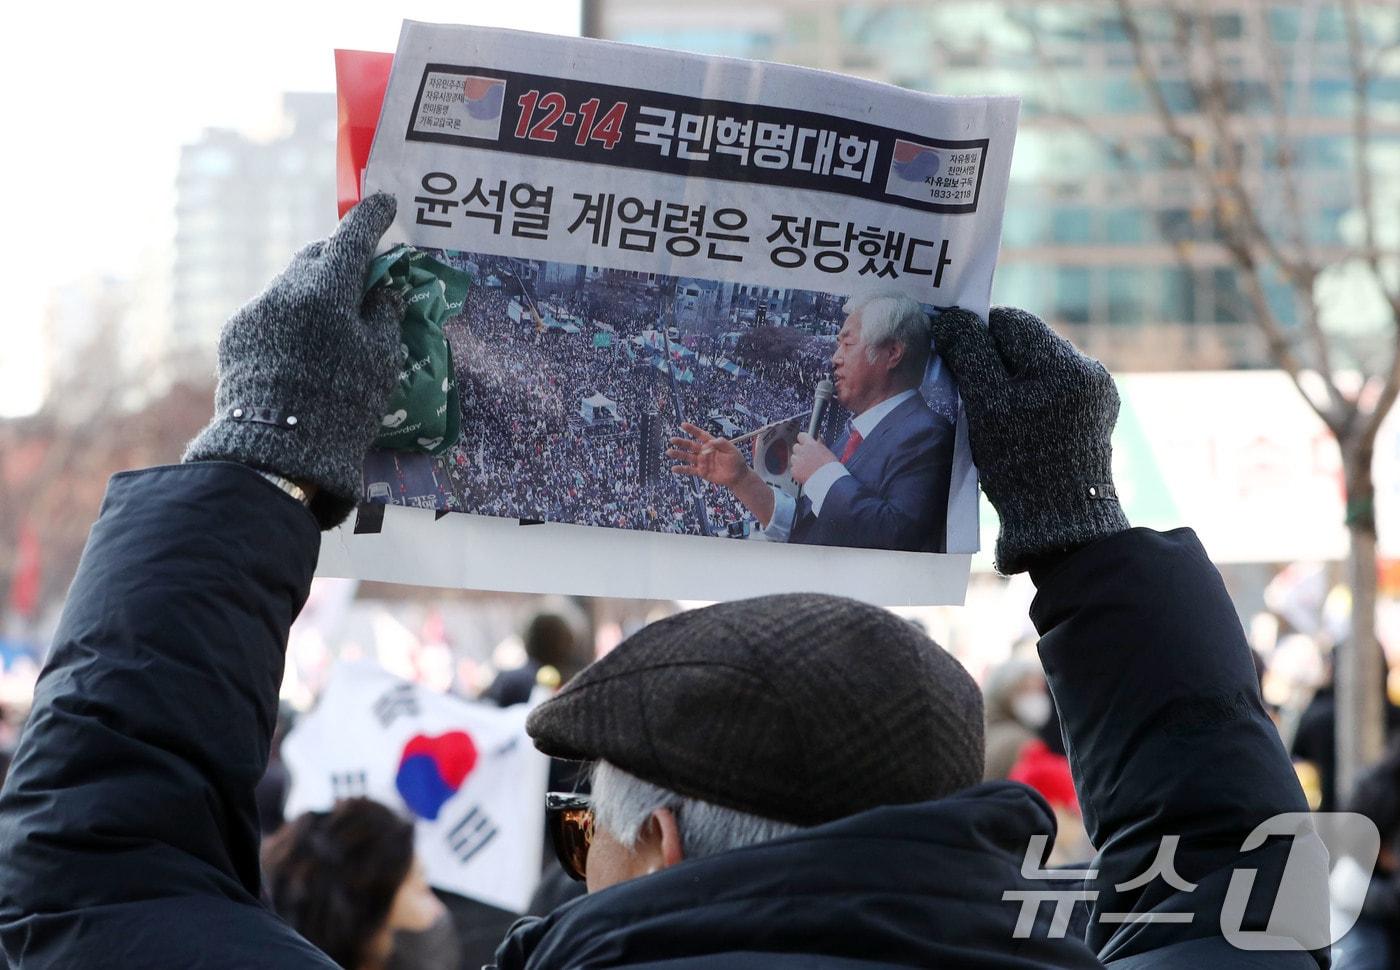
pixel 100 97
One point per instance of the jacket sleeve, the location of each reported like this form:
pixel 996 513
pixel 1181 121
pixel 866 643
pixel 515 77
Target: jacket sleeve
pixel 128 833
pixel 1167 736
pixel 908 506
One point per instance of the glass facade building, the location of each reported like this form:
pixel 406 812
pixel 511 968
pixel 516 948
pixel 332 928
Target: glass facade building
pixel 1108 232
pixel 243 207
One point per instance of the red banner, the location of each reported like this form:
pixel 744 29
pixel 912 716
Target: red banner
pixel 361 78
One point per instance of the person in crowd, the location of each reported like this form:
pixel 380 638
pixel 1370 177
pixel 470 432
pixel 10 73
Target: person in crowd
pixel 787 781
pixel 1314 744
pixel 1372 898
pixel 276 782
pixel 1017 706
pixel 349 882
pixel 1043 764
pixel 554 656
pixel 885 486
pixel 551 650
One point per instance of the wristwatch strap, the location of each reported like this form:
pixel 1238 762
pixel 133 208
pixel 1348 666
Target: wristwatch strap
pixel 286 485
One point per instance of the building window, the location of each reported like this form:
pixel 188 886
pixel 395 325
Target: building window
pixel 1178 295
pixel 1227 26
pixel 1125 225
pixel 1125 97
pixel 1284 23
pixel 1176 225
pixel 1072 297
pixel 1179 96
pixel 1021 284
pixel 1071 225
pixel 1281 297
pixel 1228 302
pixel 1127 295
pixel 1023 226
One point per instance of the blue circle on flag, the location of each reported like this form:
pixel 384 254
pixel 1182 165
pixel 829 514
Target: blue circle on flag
pixel 775 459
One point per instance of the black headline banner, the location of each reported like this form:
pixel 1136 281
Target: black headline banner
pixel 607 124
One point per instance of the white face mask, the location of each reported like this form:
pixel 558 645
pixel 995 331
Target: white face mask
pixel 1032 710
pixel 435 948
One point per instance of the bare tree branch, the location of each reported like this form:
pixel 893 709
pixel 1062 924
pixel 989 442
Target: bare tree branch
pixel 1255 247
pixel 1234 209
pixel 1152 81
pixel 1212 93
pixel 1366 199
pixel 1361 134
pixel 1300 270
pixel 1285 157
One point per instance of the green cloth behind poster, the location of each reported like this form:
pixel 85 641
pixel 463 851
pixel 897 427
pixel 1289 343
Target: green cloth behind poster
pixel 424 413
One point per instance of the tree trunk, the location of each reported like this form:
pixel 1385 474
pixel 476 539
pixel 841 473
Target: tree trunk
pixel 1359 667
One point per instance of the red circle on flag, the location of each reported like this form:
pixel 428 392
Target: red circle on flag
pixel 906 151
pixel 453 752
pixel 476 88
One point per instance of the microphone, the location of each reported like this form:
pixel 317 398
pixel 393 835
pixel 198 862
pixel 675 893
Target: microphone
pixel 823 397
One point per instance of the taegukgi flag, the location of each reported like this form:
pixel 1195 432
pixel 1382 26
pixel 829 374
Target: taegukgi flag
pixel 465 772
pixel 772 453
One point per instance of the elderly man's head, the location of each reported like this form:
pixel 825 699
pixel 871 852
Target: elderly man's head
pixel 742 722
pixel 641 828
pixel 882 349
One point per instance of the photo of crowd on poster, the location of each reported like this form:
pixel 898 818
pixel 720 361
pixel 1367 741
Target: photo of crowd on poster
pixel 585 390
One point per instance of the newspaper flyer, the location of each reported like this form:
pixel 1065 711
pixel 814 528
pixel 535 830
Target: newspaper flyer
pixel 678 265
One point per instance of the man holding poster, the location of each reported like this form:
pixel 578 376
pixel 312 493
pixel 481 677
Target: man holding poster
pixel 885 486
pixel 783 782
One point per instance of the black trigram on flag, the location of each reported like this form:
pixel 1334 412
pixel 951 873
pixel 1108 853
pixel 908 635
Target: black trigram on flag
pixel 471 834
pixel 396 701
pixel 348 784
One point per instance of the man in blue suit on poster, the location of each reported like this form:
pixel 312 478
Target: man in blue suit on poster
pixel 885 483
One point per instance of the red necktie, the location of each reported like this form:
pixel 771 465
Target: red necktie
pixel 852 443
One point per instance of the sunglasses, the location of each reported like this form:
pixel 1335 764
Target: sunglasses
pixel 570 821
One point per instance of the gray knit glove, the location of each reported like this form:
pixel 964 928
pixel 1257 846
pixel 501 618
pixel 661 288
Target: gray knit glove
pixel 306 368
pixel 1039 415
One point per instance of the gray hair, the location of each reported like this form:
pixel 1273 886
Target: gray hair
pixel 890 317
pixel 622 804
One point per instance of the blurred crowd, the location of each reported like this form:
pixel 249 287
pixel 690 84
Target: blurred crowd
pixel 349 879
pixel 1293 653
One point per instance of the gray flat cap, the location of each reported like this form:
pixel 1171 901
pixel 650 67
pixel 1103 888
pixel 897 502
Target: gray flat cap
pixel 801 708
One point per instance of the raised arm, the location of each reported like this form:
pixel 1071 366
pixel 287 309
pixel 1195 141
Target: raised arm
pixel 1167 737
pixel 128 833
